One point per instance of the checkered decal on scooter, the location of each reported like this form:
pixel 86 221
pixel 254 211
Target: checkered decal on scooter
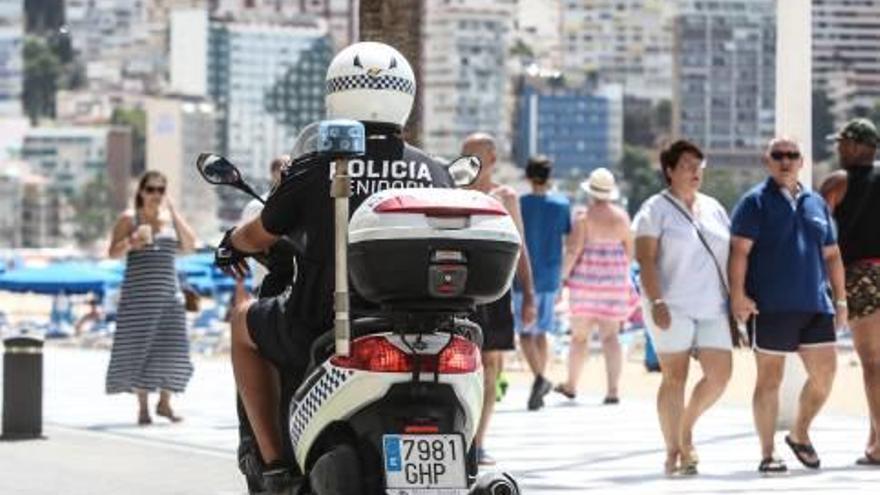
pixel 362 81
pixel 309 405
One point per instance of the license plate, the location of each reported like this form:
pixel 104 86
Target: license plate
pixel 424 461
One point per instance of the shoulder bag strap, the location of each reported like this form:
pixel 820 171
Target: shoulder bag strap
pixel 703 240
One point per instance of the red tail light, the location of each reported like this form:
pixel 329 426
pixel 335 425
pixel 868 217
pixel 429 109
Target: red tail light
pixel 460 356
pixel 379 355
pixel 374 354
pixel 421 429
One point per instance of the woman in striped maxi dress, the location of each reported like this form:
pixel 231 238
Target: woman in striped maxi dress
pixel 150 347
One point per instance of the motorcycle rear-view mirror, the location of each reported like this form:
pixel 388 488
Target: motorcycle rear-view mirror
pixel 465 170
pixel 216 169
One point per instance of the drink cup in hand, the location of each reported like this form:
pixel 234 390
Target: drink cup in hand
pixel 145 232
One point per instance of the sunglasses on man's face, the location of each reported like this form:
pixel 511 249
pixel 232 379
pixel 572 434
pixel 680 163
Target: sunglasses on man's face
pixel 779 155
pixel 154 189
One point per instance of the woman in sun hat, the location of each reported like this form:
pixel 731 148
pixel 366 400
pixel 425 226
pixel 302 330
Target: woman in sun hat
pixel 597 272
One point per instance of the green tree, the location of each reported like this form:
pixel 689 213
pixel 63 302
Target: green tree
pixel 42 69
pixel 720 184
pixel 874 115
pixel 640 180
pixel 522 50
pixel 823 125
pixel 94 211
pixel 663 118
pixel 136 120
pixel 638 129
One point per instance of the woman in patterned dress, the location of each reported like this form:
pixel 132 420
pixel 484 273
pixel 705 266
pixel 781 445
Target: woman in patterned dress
pixel 150 347
pixel 596 271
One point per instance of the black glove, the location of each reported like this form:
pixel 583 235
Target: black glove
pixel 229 259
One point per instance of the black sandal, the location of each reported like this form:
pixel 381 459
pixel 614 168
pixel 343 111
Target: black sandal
pixel 772 465
pixel 561 389
pixel 801 451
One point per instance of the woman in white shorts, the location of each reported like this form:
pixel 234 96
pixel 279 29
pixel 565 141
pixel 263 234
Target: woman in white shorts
pixel 684 296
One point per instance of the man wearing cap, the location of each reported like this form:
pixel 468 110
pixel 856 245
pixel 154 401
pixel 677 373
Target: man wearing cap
pixel 547 223
pixel 783 258
pixel 854 196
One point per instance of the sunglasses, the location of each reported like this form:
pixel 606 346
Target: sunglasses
pixel 779 155
pixel 154 189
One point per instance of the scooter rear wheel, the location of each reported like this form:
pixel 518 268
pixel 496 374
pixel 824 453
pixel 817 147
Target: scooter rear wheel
pixel 337 472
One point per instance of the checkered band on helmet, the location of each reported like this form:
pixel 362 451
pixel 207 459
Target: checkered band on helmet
pixel 363 81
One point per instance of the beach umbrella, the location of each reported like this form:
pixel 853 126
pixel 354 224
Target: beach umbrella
pixel 67 277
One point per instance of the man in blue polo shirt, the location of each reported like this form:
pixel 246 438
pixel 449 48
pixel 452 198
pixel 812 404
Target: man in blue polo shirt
pixel 783 257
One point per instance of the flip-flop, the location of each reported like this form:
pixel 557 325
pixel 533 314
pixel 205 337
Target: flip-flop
pixel 867 460
pixel 801 450
pixel 560 389
pixel 772 465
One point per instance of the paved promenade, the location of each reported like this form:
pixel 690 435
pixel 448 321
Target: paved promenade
pixel 567 448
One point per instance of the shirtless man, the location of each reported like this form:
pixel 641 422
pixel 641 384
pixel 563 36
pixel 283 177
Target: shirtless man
pixel 853 194
pixel 496 319
pixel 596 271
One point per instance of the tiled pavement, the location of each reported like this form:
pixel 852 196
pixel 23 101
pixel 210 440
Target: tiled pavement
pixel 568 447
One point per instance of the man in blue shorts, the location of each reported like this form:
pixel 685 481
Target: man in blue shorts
pixel 547 222
pixel 783 258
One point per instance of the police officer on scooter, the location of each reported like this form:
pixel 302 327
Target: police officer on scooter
pixel 370 82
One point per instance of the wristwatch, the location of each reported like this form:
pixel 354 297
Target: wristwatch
pixel 658 302
pixel 840 303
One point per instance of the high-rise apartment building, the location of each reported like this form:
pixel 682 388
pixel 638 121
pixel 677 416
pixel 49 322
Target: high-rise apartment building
pixel 178 129
pixel 71 157
pixel 724 77
pixel 268 83
pixel 339 16
pixel 112 39
pixel 11 57
pixel 626 42
pixel 11 192
pixel 28 219
pixel 846 54
pixel 579 129
pixel 464 84
pixel 537 26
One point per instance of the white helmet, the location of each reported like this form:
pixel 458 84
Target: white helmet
pixel 371 82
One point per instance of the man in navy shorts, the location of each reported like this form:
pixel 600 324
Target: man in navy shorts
pixel 783 259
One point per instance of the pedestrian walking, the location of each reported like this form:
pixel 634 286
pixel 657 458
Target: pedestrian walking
pixel 853 194
pixel 496 319
pixel 150 347
pixel 682 245
pixel 600 290
pixel 784 256
pixel 546 222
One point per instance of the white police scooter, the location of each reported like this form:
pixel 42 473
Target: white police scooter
pixel 391 403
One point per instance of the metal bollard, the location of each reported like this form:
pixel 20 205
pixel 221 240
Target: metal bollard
pixel 22 387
